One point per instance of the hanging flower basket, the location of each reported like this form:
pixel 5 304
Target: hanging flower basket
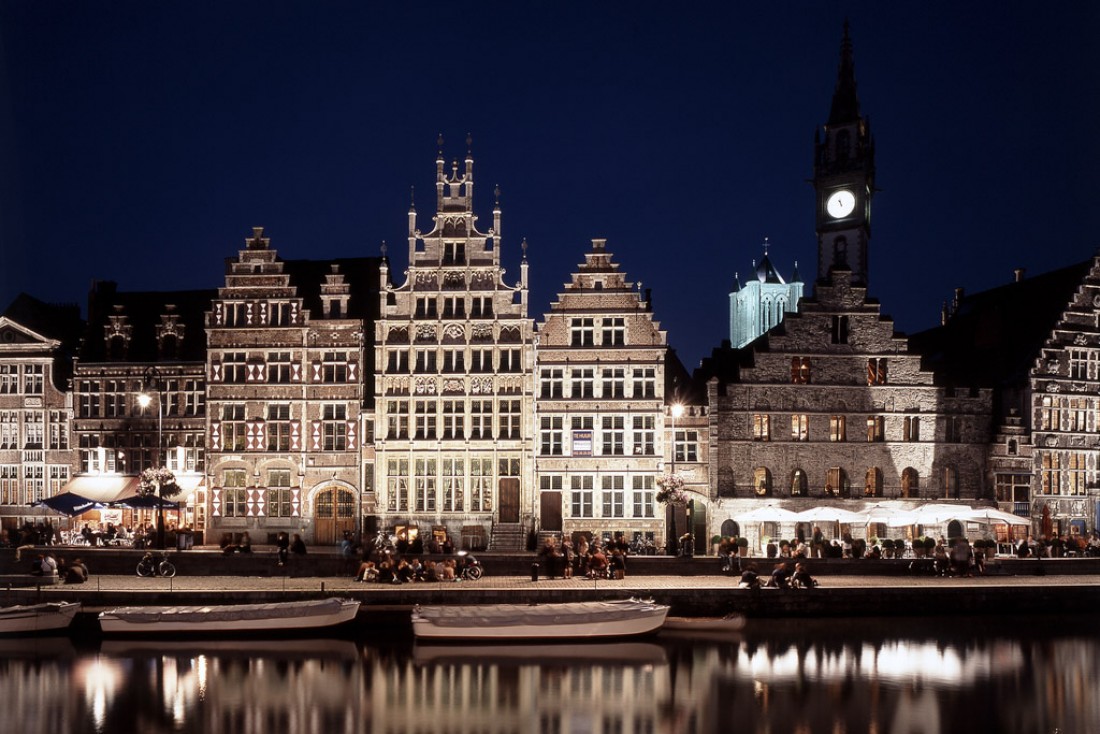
pixel 671 490
pixel 152 479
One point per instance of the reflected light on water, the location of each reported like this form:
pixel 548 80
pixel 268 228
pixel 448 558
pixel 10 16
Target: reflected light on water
pixel 101 679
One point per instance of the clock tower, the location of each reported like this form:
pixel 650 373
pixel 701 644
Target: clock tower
pixel 844 173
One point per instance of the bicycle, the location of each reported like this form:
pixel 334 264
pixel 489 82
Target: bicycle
pixel 155 564
pixel 470 568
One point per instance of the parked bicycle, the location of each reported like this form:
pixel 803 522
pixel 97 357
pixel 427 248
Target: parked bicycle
pixel 155 563
pixel 469 567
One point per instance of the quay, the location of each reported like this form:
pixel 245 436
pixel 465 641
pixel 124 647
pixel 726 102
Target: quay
pixel 691 586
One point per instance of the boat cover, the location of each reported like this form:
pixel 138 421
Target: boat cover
pixel 507 615
pixel 228 612
pixel 49 606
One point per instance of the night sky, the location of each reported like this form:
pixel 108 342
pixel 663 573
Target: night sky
pixel 140 141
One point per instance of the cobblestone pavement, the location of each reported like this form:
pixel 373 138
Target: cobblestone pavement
pixel 638 583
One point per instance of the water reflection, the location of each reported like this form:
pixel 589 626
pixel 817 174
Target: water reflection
pixel 826 676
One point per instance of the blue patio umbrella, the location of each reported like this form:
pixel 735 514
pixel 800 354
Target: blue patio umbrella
pixel 69 503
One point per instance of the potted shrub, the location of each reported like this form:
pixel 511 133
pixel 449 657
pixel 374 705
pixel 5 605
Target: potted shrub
pixel 918 547
pixel 743 546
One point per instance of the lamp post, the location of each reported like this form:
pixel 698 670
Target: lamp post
pixel 151 384
pixel 675 412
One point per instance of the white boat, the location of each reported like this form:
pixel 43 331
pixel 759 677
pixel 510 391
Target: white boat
pixel 216 619
pixel 37 617
pixel 729 623
pixel 590 620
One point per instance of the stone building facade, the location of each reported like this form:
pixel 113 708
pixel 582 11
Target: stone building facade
pixel 36 459
pixel 762 301
pixel 831 404
pixel 287 359
pixel 453 394
pixel 600 407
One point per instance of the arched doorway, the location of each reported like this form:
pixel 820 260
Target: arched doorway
pixel 954 530
pixel 730 528
pixel 333 513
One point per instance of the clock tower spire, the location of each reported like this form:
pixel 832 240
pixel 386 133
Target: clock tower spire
pixel 844 173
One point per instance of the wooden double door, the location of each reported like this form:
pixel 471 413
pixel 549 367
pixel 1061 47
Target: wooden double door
pixel 333 514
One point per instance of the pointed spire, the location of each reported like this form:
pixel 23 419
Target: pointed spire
pixel 845 100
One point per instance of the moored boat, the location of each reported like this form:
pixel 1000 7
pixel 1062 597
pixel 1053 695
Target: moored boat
pixel 49 616
pixel 272 618
pixel 593 620
pixel 728 623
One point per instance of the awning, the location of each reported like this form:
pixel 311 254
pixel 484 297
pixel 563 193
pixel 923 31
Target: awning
pixel 104 487
pixel 69 503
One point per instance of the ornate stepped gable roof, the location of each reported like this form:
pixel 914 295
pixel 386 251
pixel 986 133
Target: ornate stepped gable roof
pixel 139 316
pixel 993 337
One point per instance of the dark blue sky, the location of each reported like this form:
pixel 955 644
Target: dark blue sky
pixel 140 141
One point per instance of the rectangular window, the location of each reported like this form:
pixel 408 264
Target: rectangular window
pixel 614 383
pixel 59 430
pixel 837 430
pixel 9 485
pixel 952 429
pixel 334 427
pixel 89 399
pixel 613 332
pixel 426 414
pixel 397 485
pixel 425 361
pixel 551 436
pixel 34 429
pixel 800 427
pixel 481 485
pixel 454 307
pixel 454 253
pixel 234 367
pixel 59 476
pixel 645 432
pixel 424 485
pixel 581 496
pixel 397 419
pixel 613 496
pixel 876 428
pixel 233 428
pixel 510 415
pixel 911 428
pixel 642 499
pixel 33 378
pixel 9 430
pixel 452 477
pixel 612 433
pixel 510 360
pixel 645 382
pixel 334 367
pixel 686 445
pixel 800 370
pixel 426 308
pixel 761 427
pixel 278 427
pixel 551 383
pixel 454 361
pixel 34 482
pixel 481 360
pixel 397 360
pixel 278 368
pixel 582 332
pixel 194 398
pixel 454 418
pixel 481 307
pixel 876 371
pixel 114 400
pixel 279 498
pixel 840 330
pixel 481 419
pixel 583 383
pixel 234 493
pixel 9 380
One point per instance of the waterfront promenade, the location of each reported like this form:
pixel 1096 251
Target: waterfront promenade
pixel 854 588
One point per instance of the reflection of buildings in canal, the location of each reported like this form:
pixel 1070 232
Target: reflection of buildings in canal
pixel 486 692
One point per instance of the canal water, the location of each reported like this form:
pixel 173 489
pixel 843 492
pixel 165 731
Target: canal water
pixel 1030 675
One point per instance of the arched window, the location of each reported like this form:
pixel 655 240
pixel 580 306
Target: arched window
pixel 799 483
pixel 730 528
pixel 910 483
pixel 873 482
pixel 762 481
pixel 837 483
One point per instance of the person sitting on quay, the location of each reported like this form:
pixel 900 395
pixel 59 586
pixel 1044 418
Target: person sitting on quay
pixel 282 548
pixel 416 569
pixel 244 545
pixel 297 545
pixel 367 572
pixel 801 578
pixel 227 545
pixel 781 577
pixel 44 565
pixel 448 570
pixel 750 577
pixel 77 572
pixel 1093 546
pixel 597 563
pixel 617 562
pixel 961 556
pixel 941 564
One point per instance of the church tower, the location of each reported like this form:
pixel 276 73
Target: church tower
pixel 761 301
pixel 844 180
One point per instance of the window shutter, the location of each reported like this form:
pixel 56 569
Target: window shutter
pixel 215 435
pixel 316 442
pixel 251 444
pixel 296 502
pixel 216 502
pixel 316 372
pixel 353 371
pixel 352 435
pixel 216 374
pixel 296 372
pixel 295 436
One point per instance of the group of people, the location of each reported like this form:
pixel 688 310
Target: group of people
pixel 285 545
pixel 590 560
pixel 29 533
pixel 71 573
pixel 1059 546
pixel 230 544
pixel 411 569
pixel 783 576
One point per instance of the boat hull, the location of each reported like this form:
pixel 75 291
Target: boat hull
pixel 236 618
pixel 575 621
pixel 48 617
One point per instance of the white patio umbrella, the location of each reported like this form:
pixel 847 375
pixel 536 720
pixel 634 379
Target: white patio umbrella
pixel 767 513
pixel 894 517
pixel 831 514
pixel 992 515
pixel 936 513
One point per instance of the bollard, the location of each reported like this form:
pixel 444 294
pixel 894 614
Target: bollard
pixel 534 572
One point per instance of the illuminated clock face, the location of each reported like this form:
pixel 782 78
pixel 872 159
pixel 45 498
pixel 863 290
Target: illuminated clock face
pixel 840 204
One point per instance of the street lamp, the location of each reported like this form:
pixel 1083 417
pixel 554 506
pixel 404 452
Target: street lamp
pixel 676 411
pixel 159 475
